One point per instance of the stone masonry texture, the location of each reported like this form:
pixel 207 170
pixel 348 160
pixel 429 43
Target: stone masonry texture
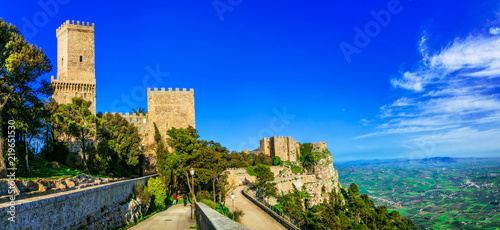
pixel 76 78
pixel 97 207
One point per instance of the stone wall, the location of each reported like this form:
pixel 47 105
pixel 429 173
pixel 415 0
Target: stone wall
pixel 168 108
pixel 139 121
pixel 241 177
pixel 208 218
pixel 284 147
pixel 318 147
pixel 99 207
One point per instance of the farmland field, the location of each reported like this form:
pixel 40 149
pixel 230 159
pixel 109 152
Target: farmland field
pixel 436 193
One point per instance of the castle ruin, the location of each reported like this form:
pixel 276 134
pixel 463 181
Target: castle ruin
pixel 76 78
pixel 286 148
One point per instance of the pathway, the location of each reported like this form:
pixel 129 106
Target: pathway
pixel 255 217
pixel 175 217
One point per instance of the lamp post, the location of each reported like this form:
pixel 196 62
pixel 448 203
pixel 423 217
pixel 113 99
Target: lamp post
pixel 232 197
pixel 191 171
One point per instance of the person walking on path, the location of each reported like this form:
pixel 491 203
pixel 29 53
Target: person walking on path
pixel 175 198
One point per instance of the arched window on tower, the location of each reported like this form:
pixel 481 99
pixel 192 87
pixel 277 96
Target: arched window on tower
pixel 81 58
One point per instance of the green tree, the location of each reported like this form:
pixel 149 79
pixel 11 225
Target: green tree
pixel 186 146
pixel 159 191
pixel 139 111
pixel 264 180
pixel 308 158
pixel 276 160
pixel 211 163
pixel 118 145
pixel 28 114
pixel 55 148
pixel 21 65
pixel 164 172
pixel 80 123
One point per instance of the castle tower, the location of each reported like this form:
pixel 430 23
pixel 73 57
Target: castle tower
pixel 75 63
pixel 169 108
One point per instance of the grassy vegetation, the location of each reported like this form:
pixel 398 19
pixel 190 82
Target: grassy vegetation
pixel 251 169
pixel 41 168
pixel 297 169
pixel 434 196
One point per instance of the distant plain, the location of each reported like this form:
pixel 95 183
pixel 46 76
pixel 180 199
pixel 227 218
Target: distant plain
pixel 436 193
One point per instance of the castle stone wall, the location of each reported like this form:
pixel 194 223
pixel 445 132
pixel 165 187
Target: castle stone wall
pixel 97 207
pixel 75 63
pixel 76 78
pixel 318 147
pixel 285 148
pixel 169 108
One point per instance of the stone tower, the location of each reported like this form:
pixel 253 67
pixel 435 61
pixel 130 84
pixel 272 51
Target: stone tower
pixel 169 108
pixel 75 63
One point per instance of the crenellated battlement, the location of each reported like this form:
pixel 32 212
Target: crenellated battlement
pixel 278 137
pixel 191 90
pixel 167 107
pixel 72 25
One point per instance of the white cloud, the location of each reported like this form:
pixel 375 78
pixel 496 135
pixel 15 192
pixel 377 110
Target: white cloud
pixel 494 30
pixel 454 95
pixel 410 81
pixel 364 122
pixel 404 101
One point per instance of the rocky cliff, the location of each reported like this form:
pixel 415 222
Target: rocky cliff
pixel 318 182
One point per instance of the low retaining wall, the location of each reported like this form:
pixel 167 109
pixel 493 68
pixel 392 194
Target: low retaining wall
pixel 96 207
pixel 208 218
pixel 277 217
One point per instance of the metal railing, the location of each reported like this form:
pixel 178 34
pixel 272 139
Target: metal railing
pixel 280 216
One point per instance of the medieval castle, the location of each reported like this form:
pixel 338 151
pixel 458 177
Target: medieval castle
pixel 76 78
pixel 166 108
pixel 286 148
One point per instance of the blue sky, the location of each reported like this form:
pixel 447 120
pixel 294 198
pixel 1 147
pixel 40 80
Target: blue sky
pixel 374 79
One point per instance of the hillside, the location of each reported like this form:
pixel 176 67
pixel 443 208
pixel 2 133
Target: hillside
pixel 436 192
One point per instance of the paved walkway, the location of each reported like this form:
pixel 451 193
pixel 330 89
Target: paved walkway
pixel 175 217
pixel 254 218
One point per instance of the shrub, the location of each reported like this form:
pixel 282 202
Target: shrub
pixel 203 194
pixel 224 211
pixel 297 169
pixel 250 170
pixel 53 165
pixel 209 203
pixel 142 192
pixel 159 191
pixel 277 160
pixel 238 213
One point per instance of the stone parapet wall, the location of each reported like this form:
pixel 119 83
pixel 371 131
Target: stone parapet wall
pixel 208 218
pixel 97 207
pixel 274 215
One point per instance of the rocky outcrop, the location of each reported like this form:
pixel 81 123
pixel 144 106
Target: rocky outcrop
pixel 321 180
pixel 327 181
